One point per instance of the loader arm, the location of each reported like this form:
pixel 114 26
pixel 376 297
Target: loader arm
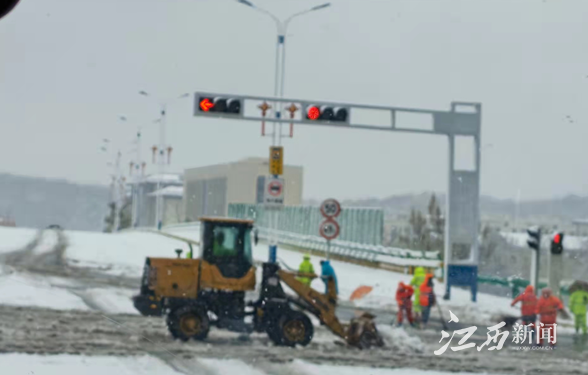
pixel 324 304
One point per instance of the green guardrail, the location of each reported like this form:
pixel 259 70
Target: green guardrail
pixel 515 283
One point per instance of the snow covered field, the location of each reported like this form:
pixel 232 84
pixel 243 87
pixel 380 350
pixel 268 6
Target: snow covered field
pixel 120 253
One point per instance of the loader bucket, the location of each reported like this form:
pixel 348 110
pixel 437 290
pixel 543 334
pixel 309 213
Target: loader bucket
pixel 362 332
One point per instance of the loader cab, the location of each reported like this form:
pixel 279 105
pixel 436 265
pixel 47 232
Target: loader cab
pixel 226 243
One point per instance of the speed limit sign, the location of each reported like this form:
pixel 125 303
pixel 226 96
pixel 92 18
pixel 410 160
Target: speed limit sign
pixel 329 229
pixel 330 208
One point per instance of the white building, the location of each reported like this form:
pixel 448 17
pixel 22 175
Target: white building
pixel 145 197
pixel 209 190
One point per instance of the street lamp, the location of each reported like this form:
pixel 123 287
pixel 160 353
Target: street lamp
pixel 282 28
pixel 161 153
pixel 115 193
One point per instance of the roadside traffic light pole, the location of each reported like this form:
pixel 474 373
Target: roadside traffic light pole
pixel 534 242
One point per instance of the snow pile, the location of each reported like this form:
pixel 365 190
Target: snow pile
pixel 12 239
pixel 48 241
pixel 400 340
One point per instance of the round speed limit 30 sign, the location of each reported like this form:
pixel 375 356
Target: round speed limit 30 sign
pixel 329 229
pixel 330 208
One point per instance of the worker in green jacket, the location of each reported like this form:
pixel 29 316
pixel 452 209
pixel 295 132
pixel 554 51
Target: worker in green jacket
pixel 305 267
pixel 417 280
pixel 578 302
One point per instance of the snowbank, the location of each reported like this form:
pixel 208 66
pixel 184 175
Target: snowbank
pixel 47 243
pixel 12 239
pixel 400 340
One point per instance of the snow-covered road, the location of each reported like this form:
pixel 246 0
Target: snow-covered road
pixel 79 286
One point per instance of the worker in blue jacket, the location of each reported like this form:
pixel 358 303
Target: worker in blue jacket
pixel 327 272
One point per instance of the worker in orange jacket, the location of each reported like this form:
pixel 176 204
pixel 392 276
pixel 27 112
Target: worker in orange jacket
pixel 528 301
pixel 547 307
pixel 427 299
pixel 403 297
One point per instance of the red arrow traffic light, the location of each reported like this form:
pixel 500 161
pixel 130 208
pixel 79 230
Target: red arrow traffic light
pixel 206 105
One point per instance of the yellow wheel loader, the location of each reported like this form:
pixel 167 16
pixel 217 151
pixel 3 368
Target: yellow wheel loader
pixel 195 294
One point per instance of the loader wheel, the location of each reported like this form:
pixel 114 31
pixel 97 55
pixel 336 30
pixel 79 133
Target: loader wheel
pixel 188 323
pixel 293 328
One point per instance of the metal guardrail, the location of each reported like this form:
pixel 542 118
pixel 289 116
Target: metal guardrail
pixel 352 250
pixel 516 284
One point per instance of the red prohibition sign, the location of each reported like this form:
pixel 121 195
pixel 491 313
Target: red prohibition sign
pixel 330 208
pixel 275 188
pixel 329 229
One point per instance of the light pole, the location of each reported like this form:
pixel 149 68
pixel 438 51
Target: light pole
pixel 161 154
pixel 138 166
pixel 115 187
pixel 282 28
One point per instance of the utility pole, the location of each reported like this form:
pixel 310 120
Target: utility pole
pixel 159 154
pixel 117 192
pixel 282 27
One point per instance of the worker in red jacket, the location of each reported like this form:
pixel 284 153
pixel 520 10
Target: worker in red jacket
pixel 528 301
pixel 547 307
pixel 403 297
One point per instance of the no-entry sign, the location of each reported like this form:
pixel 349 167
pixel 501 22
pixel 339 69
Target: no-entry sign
pixel 274 192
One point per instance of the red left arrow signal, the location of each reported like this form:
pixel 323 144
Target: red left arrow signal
pixel 206 104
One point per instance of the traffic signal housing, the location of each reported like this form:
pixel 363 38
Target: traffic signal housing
pixel 218 106
pixel 534 239
pixel 326 113
pixel 557 243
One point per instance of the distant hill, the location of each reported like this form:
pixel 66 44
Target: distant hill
pixel 38 202
pixel 568 207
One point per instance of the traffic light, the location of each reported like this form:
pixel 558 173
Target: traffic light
pixel 218 105
pixel 534 240
pixel 557 243
pixel 326 113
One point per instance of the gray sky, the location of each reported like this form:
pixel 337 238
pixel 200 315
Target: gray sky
pixel 70 67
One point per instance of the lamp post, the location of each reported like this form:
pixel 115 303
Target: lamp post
pixel 161 154
pixel 282 28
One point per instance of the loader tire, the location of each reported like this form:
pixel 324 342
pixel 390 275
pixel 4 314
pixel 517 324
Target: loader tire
pixel 293 328
pixel 188 322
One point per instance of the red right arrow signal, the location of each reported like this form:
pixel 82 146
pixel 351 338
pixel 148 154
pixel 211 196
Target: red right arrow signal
pixel 206 104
